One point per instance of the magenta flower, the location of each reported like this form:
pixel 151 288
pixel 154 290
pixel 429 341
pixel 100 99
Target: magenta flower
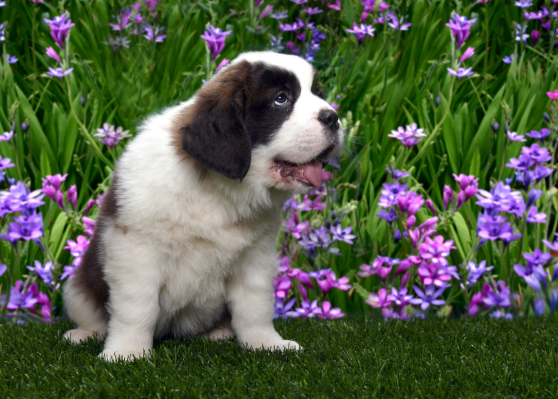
pixel 379 300
pixel 553 95
pixel 265 12
pixel 436 251
pixel 327 313
pixel 467 54
pixel 89 225
pixel 59 28
pixel 282 285
pixel 122 22
pixel 59 72
pixel 336 5
pixel 299 2
pixel 52 54
pixel 77 248
pixel 500 298
pixel 215 39
pixel 461 72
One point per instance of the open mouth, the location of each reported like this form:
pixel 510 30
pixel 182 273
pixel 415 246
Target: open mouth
pixel 309 173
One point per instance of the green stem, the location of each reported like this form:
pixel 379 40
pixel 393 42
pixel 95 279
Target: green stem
pixel 33 50
pixel 486 29
pixel 437 128
pixel 83 128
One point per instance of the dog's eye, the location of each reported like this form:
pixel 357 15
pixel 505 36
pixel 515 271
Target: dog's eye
pixel 281 99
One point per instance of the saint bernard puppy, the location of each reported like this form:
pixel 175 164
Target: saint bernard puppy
pixel 185 242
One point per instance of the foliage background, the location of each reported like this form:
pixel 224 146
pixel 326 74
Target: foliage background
pixel 387 81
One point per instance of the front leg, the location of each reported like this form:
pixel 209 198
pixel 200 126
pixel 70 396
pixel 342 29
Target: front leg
pixel 133 276
pixel 250 300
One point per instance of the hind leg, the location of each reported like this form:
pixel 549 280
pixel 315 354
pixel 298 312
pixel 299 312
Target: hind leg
pixel 90 319
pixel 221 331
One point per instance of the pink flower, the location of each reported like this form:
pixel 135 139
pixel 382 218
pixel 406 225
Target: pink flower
pixel 468 53
pixel 553 95
pixel 52 54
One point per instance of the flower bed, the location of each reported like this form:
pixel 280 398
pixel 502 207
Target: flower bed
pixel 443 203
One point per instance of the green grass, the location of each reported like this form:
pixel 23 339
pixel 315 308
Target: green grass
pixel 353 357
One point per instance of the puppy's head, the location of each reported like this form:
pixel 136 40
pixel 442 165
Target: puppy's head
pixel 264 118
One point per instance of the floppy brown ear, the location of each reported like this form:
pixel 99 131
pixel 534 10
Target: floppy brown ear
pixel 212 130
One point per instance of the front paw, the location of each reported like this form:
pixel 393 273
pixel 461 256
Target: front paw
pixel 126 355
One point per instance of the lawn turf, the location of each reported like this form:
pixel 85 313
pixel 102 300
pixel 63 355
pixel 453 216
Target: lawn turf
pixel 351 357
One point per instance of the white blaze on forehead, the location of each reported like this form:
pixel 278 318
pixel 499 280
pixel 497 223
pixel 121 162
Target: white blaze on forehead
pixel 303 70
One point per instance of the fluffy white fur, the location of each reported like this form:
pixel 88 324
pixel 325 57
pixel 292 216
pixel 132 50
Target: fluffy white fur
pixel 190 247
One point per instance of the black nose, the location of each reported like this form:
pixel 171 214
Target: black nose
pixel 329 118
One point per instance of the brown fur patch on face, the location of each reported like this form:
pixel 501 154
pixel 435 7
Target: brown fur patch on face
pixel 227 89
pixel 88 277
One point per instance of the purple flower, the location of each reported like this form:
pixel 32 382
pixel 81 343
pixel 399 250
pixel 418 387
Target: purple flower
pixel 3 269
pixel 523 3
pixel 539 15
pixel 544 133
pixel 279 15
pixel 298 24
pixel 7 136
pixel 428 297
pixel 109 136
pixel 215 39
pixel 536 153
pixel 26 227
pixel 409 136
pixel 5 163
pixel 397 174
pixel 553 246
pixel 520 35
pixel 312 11
pixel 340 234
pixel 398 24
pixel 534 217
pixel 379 300
pixel 500 298
pixel 299 2
pixel 20 299
pixel 524 162
pixel 498 199
pixel 43 271
pixel 68 272
pixel 383 18
pixel 283 310
pixel 59 72
pixel 22 199
pixel 431 273
pixel 11 59
pixel 461 72
pixel 89 225
pixel 460 28
pixel 400 298
pixel 476 271
pixel 389 217
pixel 361 31
pixel 513 136
pixel 447 196
pixel 508 59
pixel 293 227
pixel 327 313
pixel 390 193
pixel 59 28
pixel 538 258
pixel 494 227
pixel 153 34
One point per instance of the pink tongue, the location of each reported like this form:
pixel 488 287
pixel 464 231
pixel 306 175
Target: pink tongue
pixel 313 173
